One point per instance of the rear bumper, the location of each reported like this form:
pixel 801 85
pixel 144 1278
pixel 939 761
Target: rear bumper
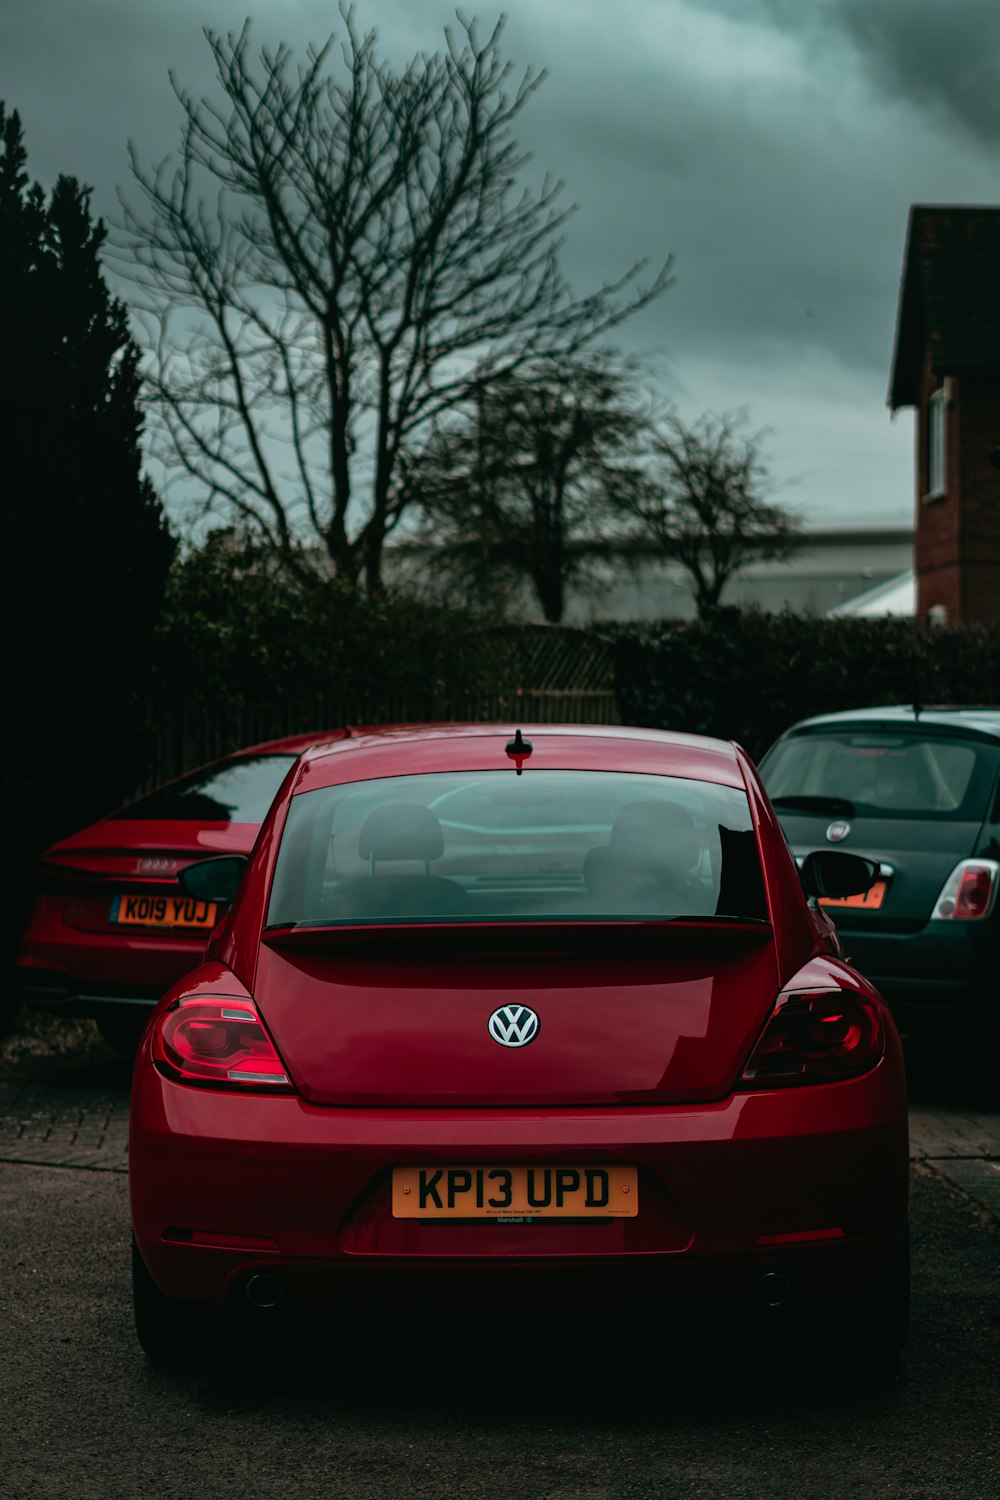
pixel 74 973
pixel 224 1187
pixel 592 1288
pixel 63 995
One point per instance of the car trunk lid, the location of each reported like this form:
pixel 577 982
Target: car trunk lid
pixel 916 857
pixel 121 874
pixel 403 1019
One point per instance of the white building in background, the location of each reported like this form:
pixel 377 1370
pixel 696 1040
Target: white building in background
pixel 833 569
pixel 896 597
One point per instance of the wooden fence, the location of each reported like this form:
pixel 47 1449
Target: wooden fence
pixel 540 675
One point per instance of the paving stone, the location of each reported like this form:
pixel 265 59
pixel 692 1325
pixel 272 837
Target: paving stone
pixel 978 1180
pixel 942 1135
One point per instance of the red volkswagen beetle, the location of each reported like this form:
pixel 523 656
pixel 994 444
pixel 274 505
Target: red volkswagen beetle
pixel 507 1021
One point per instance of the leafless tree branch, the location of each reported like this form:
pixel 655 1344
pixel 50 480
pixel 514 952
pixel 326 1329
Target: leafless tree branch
pixel 532 485
pixel 340 255
pixel 704 505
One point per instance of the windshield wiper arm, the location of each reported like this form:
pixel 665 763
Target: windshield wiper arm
pixel 836 806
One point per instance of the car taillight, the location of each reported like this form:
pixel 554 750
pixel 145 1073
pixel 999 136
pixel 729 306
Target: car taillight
pixel 969 892
pixel 816 1036
pixel 218 1043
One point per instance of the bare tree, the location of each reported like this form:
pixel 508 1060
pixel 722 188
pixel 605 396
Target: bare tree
pixel 366 259
pixel 527 487
pixel 704 505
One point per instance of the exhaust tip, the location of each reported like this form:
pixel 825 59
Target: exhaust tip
pixel 264 1291
pixel 773 1289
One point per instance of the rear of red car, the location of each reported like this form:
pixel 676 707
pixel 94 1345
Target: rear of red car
pixel 111 928
pixel 571 1038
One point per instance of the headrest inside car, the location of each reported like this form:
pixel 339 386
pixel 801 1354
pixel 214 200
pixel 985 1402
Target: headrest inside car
pixel 662 830
pixel 400 830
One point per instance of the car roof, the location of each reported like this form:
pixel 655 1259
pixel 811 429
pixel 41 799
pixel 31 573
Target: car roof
pixel 289 744
pixel 978 720
pixel 295 744
pixel 413 749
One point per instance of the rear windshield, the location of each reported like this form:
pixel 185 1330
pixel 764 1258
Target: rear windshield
pixel 239 790
pixel 490 846
pixel 885 775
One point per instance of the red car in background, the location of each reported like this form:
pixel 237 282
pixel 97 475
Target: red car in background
pixel 517 1025
pixel 111 928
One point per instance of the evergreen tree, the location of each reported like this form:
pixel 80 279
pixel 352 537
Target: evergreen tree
pixel 87 548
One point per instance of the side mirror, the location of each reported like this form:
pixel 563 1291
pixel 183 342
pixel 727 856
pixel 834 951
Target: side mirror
pixel 215 879
pixel 835 873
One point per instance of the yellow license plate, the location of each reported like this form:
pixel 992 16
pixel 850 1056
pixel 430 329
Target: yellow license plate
pixel 868 900
pixel 518 1192
pixel 163 911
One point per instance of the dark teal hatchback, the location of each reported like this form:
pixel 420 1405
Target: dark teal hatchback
pixel 918 791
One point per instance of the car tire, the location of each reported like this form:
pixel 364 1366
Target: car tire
pixel 166 1328
pixel 863 1334
pixel 885 1314
pixel 10 1010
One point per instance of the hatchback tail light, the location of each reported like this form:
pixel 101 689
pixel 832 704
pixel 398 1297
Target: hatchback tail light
pixel 969 892
pixel 816 1036
pixel 218 1043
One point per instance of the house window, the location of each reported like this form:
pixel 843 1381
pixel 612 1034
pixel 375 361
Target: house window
pixel 935 443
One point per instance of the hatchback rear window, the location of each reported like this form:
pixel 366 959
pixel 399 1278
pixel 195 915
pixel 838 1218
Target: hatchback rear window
pixel 885 775
pixel 239 790
pixel 488 846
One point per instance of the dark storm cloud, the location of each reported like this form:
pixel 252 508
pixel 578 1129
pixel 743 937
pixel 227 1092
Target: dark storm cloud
pixel 728 132
pixel 941 55
pixel 773 146
pixel 929 53
pixel 771 227
pixel 756 170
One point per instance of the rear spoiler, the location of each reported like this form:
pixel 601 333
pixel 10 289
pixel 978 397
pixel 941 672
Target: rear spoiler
pixel 546 934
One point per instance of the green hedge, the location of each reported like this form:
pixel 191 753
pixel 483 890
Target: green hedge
pixel 247 651
pixel 236 635
pixel 233 631
pixel 744 675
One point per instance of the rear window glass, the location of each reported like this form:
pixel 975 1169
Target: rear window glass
pixel 489 846
pixel 885 775
pixel 232 791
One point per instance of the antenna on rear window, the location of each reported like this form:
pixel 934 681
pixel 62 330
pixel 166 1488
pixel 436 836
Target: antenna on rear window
pixel 519 749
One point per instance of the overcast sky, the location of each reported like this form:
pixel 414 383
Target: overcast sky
pixel 773 147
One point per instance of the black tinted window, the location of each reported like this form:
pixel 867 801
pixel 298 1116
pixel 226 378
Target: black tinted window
pixel 885 774
pixel 232 791
pixel 485 846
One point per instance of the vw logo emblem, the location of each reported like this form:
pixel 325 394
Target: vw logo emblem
pixel 838 831
pixel 513 1025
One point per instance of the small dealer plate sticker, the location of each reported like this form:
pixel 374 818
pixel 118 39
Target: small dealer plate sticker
pixel 869 900
pixel 570 1191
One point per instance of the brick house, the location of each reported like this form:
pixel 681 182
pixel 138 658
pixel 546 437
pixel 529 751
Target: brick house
pixel 946 364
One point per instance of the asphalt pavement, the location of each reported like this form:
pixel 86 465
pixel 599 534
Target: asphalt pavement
pixel 412 1408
